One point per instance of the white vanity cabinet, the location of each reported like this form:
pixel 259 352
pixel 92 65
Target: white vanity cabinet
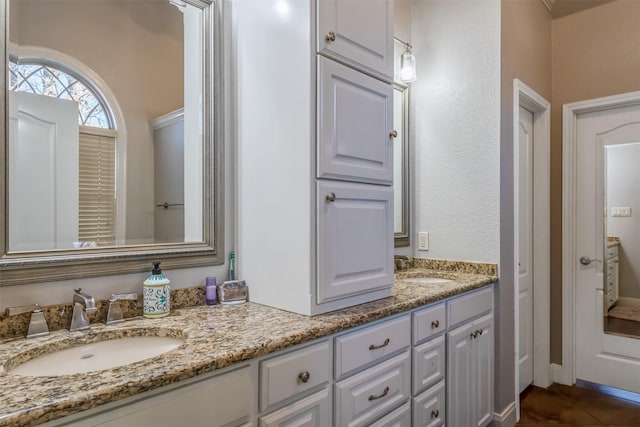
pixel 470 360
pixel 314 151
pixel 612 277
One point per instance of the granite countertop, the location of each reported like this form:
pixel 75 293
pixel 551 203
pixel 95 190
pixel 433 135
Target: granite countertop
pixel 215 337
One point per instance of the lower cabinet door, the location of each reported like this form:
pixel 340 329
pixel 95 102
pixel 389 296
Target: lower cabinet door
pixel 366 396
pixel 428 364
pixel 429 407
pixel 483 370
pixel 401 417
pixel 460 392
pixel 312 411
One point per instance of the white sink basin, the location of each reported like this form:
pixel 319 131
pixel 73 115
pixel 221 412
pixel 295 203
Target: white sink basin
pixel 96 356
pixel 427 280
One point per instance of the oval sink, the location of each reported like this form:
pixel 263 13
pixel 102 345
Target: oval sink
pixel 427 280
pixel 96 356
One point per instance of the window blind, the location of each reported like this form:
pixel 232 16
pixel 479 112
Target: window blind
pixel 97 176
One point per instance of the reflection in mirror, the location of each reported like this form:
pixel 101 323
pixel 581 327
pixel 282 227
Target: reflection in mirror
pixel 400 153
pixel 109 133
pixel 622 238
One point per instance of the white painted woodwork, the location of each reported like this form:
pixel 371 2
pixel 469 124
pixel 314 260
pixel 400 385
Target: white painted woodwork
pixel 311 411
pixel 355 239
pixel 525 249
pixel 470 373
pixel 400 417
pixel 363 35
pixel 429 409
pixel 223 400
pixel 429 322
pixel 355 114
pixel 365 396
pixel 280 376
pixel 612 292
pixel 468 306
pixel 43 179
pixel 282 226
pixel 352 350
pixel 429 364
pixel 601 358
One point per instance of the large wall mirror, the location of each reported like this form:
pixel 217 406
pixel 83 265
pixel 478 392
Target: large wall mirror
pixel 401 212
pixel 110 120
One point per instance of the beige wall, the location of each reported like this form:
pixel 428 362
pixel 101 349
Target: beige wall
pixel 526 55
pixel 137 49
pixel 595 53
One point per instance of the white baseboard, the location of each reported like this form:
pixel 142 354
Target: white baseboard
pixel 507 418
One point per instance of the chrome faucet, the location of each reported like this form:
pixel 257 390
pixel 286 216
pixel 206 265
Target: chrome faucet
pixel 115 312
pixel 81 303
pixel 37 324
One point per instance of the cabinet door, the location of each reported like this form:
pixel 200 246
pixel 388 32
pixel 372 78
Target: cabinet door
pixel 355 239
pixel 429 407
pixel 358 32
pixel 482 357
pixel 312 411
pixel 460 377
pixel 355 114
pixel 428 364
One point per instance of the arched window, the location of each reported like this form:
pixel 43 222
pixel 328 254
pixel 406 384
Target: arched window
pixel 40 78
pixel 97 204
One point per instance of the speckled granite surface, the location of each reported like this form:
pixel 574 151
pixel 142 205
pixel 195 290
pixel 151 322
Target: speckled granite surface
pixel 612 241
pixel 215 337
pixel 457 266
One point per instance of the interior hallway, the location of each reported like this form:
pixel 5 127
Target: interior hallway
pixel 582 405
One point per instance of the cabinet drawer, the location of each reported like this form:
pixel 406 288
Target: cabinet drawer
pixel 401 417
pixel 428 322
pixel 285 376
pixel 369 345
pixel 365 396
pixel 612 251
pixel 470 306
pixel 429 364
pixel 429 407
pixel 315 410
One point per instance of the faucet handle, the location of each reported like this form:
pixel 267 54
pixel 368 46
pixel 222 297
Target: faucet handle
pixel 38 326
pixel 114 315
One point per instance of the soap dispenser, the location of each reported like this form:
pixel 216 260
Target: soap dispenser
pixel 156 294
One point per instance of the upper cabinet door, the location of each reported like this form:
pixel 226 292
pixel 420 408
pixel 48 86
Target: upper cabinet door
pixel 359 33
pixel 355 124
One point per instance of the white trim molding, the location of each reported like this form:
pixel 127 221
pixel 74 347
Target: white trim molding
pixel 167 119
pixel 506 418
pixel 524 96
pixel 570 112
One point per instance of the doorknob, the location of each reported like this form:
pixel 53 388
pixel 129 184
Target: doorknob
pixel 585 260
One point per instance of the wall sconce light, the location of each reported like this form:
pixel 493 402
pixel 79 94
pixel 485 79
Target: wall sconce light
pixel 407 66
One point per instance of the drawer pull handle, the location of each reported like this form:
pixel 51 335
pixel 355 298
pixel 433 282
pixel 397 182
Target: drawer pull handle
pixel 330 37
pixel 435 324
pixel 304 376
pixel 474 335
pixel 393 134
pixel 331 197
pixel 384 344
pixel 480 331
pixel 380 396
pixel 435 414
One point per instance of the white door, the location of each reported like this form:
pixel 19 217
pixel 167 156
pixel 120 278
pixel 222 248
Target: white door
pixel 43 172
pixel 355 239
pixel 525 250
pixel 600 358
pixel 355 122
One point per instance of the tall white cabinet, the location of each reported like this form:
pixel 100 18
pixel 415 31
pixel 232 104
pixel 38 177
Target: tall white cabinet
pixel 315 151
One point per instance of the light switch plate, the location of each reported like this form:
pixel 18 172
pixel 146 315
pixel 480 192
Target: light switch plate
pixel 423 241
pixel 621 211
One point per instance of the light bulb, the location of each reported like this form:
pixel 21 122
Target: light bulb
pixel 408 67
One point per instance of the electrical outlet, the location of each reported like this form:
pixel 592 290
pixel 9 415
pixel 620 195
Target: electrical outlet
pixel 423 241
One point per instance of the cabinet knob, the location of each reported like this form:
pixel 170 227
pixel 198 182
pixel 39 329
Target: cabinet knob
pixel 384 344
pixel 435 414
pixel 393 134
pixel 380 396
pixel 330 37
pixel 435 324
pixel 474 335
pixel 304 376
pixel 331 197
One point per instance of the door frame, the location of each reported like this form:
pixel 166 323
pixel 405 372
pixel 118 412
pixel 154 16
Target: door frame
pixel 524 96
pixel 566 374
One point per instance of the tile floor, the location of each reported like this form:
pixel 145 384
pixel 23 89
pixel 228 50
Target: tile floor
pixel 581 405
